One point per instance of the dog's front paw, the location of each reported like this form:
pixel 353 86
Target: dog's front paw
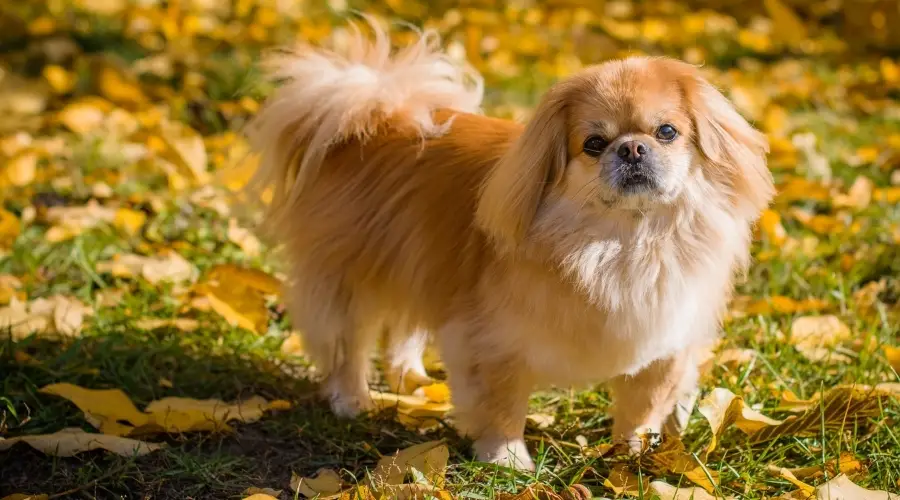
pixel 347 402
pixel 509 453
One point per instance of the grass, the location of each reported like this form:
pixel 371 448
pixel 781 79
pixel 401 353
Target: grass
pixel 226 362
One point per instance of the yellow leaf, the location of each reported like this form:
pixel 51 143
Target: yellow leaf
pixel 816 336
pixel 624 482
pixel 325 484
pixel 660 489
pixel 167 267
pixel 293 345
pixel 164 382
pixel 183 324
pixel 84 116
pixel 20 170
pixel 131 221
pixel 672 458
pixel 887 195
pixel 112 412
pixel 787 27
pixel 436 393
pixel 60 80
pixel 239 295
pixel 847 463
pixel 9 228
pixel 430 459
pixel 893 356
pixel 188 149
pixel 118 88
pixel 770 223
pixel 72 441
pixel 722 408
pixel 243 238
pixel 266 493
pixel 24 496
pixel 859 195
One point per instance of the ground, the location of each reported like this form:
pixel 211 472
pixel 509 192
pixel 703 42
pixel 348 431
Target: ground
pixel 98 176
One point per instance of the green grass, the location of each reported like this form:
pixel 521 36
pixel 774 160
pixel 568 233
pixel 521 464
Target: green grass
pixel 220 361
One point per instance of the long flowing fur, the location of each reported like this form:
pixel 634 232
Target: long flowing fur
pixel 398 205
pixel 327 98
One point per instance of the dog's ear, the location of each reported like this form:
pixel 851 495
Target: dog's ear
pixel 735 151
pixel 514 189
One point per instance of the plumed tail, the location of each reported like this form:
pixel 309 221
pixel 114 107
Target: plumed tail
pixel 327 97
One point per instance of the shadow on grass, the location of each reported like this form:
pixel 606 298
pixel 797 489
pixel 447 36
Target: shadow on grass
pixel 196 465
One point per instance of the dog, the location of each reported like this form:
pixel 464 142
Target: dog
pixel 597 243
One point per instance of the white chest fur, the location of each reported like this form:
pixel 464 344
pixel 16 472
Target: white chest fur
pixel 625 293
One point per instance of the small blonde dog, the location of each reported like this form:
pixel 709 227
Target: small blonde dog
pixel 597 243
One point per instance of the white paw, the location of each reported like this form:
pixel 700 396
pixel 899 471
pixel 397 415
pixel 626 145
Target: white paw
pixel 507 453
pixel 347 403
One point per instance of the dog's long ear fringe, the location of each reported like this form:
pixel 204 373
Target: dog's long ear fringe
pixel 512 193
pixel 326 97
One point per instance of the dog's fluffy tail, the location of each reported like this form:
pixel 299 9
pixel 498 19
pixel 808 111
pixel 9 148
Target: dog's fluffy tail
pixel 327 97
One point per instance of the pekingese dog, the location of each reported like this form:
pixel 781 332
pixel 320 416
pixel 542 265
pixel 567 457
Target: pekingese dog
pixel 596 243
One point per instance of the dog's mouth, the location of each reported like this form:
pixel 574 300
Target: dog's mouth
pixel 637 179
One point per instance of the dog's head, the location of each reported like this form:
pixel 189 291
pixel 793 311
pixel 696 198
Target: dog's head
pixel 628 135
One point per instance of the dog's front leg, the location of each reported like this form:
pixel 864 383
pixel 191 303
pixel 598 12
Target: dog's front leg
pixel 490 399
pixel 642 402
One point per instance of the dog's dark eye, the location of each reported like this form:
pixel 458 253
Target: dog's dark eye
pixel 594 145
pixel 666 133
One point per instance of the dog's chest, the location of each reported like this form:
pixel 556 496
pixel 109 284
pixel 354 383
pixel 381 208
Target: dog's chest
pixel 647 313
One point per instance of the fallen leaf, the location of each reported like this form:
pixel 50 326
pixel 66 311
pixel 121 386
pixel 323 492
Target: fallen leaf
pixel 244 238
pixel 118 88
pixel 847 463
pixel 293 345
pixel 842 488
pixel 9 229
pixel 169 266
pixel 264 492
pixel 85 115
pixel 261 496
pixel 188 149
pixel 859 196
pixel 722 408
pixel 72 441
pixel 112 412
pixel 892 354
pixel 540 420
pixel 671 457
pixel 72 221
pixel 663 490
pixel 437 392
pixel 56 314
pixel 239 295
pixel 325 484
pixel 624 482
pixel 183 324
pixel 413 411
pixel 20 170
pixel 770 224
pixel 60 80
pixel 429 459
pixel 130 221
pixel 787 27
pixel 816 336
pixel 25 496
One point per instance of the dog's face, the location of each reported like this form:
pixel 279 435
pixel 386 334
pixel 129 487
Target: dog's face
pixel 632 134
pixel 630 137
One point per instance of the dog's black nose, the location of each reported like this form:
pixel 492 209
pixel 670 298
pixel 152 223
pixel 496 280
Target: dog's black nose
pixel 632 151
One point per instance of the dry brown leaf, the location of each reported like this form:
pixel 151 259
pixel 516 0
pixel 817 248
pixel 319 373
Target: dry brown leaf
pixel 56 314
pixel 244 238
pixel 663 490
pixel 429 458
pixel 842 488
pixel 412 410
pixel 169 266
pixel 816 336
pixel 722 408
pixel 72 441
pixel 624 482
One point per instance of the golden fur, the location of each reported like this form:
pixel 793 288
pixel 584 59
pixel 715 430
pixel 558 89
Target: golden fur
pixel 398 206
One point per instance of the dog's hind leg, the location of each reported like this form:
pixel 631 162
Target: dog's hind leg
pixel 338 344
pixel 404 348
